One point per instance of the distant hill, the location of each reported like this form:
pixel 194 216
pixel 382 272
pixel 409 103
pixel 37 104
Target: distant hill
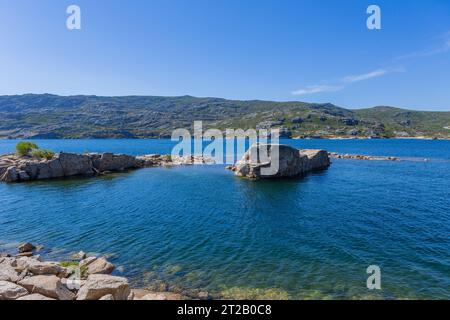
pixel 52 116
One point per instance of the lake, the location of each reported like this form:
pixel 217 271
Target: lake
pixel 200 227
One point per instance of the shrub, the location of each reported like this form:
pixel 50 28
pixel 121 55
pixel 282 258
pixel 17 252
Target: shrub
pixel 43 154
pixel 24 148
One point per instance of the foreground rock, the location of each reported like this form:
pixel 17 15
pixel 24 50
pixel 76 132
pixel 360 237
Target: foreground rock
pixel 18 169
pixel 23 278
pixel 41 268
pixel 49 286
pixel 100 285
pixel 11 291
pixel 35 296
pixel 266 162
pixel 8 273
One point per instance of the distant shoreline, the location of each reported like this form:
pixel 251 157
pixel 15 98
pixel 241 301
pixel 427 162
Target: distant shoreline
pixel 293 138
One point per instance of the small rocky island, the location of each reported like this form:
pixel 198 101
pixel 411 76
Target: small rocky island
pixel 288 162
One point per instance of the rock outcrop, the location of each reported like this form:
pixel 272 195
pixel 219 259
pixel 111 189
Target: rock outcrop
pixel 100 266
pixel 26 278
pixel 100 285
pixel 25 168
pixel 47 285
pixel 268 161
pixel 21 279
pixel 335 155
pixel 11 291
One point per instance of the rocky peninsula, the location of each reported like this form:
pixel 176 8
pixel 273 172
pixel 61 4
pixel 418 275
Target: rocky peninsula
pixel 15 168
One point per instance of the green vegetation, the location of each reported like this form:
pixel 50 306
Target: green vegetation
pixel 74 264
pixel 43 154
pixel 24 148
pixel 54 117
pixel 67 264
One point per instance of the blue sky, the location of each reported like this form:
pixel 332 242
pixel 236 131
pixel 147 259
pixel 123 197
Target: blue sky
pixel 316 51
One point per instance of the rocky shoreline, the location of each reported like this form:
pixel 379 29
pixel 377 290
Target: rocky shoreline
pixel 14 168
pixel 25 276
pixel 335 155
pixel 292 163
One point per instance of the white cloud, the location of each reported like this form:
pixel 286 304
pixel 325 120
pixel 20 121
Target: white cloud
pixel 365 76
pixel 343 82
pixel 316 89
pixel 444 47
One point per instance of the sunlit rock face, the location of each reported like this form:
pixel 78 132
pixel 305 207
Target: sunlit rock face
pixel 268 161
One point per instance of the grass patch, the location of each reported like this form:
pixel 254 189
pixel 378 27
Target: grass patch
pixel 67 264
pixel 24 148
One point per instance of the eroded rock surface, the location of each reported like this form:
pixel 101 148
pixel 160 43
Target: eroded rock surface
pixel 268 161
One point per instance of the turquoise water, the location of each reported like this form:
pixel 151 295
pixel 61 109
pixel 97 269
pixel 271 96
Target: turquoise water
pixel 202 228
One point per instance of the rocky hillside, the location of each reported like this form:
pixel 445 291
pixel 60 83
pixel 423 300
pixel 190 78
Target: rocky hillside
pixel 51 116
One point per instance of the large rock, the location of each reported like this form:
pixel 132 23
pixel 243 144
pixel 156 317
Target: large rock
pixel 279 161
pixel 41 268
pixel 26 247
pixel 11 291
pixel 49 286
pixel 75 164
pixel 8 273
pixel 317 159
pixel 100 266
pixel 50 169
pixel 113 162
pixel 100 285
pixel 10 175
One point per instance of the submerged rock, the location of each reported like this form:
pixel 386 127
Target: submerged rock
pixel 100 266
pixel 279 161
pixel 26 247
pixel 79 256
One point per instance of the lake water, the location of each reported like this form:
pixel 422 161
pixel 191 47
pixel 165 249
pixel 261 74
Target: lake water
pixel 200 227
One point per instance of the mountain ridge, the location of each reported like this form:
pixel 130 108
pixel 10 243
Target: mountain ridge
pixel 91 116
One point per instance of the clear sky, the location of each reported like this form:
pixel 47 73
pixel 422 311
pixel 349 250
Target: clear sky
pixel 315 51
